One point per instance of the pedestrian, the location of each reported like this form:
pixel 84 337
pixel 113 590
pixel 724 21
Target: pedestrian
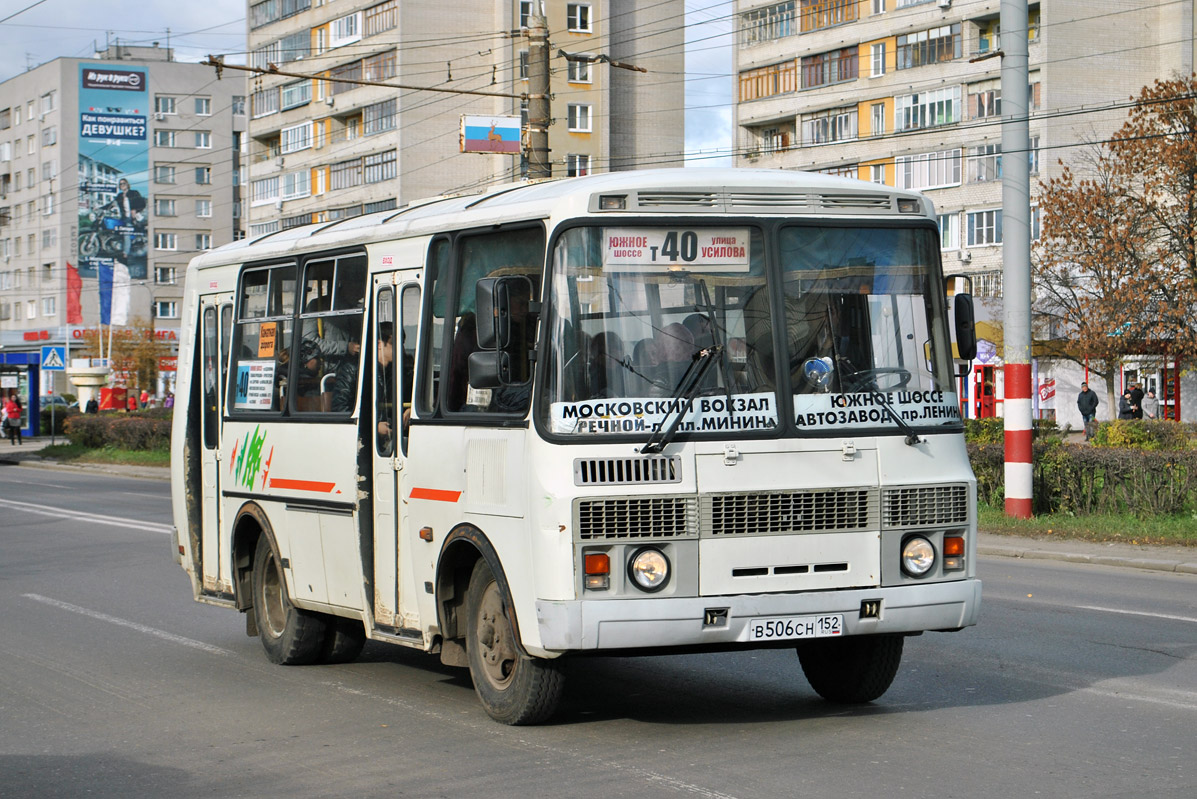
pixel 1086 402
pixel 1125 409
pixel 1151 406
pixel 12 419
pixel 169 402
pixel 131 402
pixel 145 398
pixel 92 407
pixel 1136 398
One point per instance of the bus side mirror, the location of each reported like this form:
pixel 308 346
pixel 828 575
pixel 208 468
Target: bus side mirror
pixel 966 328
pixel 490 369
pixel 496 298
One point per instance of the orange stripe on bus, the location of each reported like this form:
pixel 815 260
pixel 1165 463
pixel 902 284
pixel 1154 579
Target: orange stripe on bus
pixel 302 485
pixel 435 494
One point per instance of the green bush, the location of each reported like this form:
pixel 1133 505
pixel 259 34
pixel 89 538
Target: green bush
pixel 1085 480
pixel 1146 434
pixel 59 420
pixel 140 430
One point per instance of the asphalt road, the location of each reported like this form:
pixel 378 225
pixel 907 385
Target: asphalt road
pixel 1080 681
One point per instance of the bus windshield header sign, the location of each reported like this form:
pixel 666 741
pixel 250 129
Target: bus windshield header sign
pixel 652 249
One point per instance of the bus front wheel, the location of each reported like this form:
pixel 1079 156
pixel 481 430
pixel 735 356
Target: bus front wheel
pixel 290 636
pixel 514 688
pixel 851 670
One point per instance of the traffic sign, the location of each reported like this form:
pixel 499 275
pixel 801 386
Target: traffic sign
pixel 53 359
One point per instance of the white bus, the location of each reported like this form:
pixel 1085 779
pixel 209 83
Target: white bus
pixel 673 410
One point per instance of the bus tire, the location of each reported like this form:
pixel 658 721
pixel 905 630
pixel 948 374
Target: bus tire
pixel 290 636
pixel 851 670
pixel 344 640
pixel 514 687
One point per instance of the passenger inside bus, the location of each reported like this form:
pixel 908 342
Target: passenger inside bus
pixel 344 393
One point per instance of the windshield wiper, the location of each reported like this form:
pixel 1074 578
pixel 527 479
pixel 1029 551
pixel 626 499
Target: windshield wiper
pixel 912 437
pixel 687 387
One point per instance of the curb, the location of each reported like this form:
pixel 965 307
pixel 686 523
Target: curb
pixel 1152 564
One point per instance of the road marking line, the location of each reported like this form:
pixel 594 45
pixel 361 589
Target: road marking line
pixel 34 483
pixel 132 625
pixel 1170 617
pixel 94 518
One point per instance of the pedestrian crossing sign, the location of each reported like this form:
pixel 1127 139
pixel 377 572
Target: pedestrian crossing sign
pixel 53 359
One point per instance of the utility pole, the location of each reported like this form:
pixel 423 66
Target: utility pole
pixel 538 98
pixel 1016 258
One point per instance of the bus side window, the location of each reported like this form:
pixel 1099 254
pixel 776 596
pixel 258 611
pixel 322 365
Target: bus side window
pixel 405 354
pixel 210 372
pixel 434 332
pixel 330 333
pixel 262 354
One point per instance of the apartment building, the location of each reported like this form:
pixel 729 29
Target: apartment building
pixel 908 93
pixel 125 163
pixel 325 145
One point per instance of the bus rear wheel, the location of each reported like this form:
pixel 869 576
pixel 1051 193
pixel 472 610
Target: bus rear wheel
pixel 852 670
pixel 290 636
pixel 514 688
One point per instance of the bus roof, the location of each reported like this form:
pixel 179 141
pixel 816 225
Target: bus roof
pixel 659 191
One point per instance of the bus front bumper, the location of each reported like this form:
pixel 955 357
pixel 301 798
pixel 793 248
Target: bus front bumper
pixel 589 625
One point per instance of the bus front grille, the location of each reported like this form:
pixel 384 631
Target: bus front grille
pixel 636 518
pixel 921 506
pixel 627 471
pixel 764 513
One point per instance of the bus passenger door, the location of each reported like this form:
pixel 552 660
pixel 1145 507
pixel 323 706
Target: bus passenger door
pixel 216 317
pixel 389 376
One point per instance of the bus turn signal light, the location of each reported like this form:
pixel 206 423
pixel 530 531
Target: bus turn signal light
pixel 597 568
pixel 953 553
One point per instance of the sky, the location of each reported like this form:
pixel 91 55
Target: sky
pixel 33 32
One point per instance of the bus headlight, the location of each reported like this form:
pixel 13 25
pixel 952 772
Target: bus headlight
pixel 649 569
pixel 918 556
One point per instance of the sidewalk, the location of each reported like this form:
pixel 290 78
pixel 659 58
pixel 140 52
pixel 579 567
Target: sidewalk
pixel 1176 559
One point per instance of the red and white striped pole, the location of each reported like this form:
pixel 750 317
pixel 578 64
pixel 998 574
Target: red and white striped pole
pixel 1016 258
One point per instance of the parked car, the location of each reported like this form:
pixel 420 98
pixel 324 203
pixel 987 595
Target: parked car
pixel 58 402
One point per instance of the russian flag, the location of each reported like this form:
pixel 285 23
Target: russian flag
pixel 114 294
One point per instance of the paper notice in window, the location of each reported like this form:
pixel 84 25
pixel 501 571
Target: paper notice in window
pixel 267 337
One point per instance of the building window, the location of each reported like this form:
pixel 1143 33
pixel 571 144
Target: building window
pixel 164 206
pixel 578 71
pixel 164 138
pixel 774 140
pixel 526 11
pixel 1033 155
pixel 579 117
pixel 878 6
pixel 203 175
pixel 928 170
pixel 203 106
pixel 31 309
pixel 50 136
pixel 203 241
pixel 928 47
pixel 577 17
pixel 985 99
pixel 346 30
pixel 985 163
pixel 295 138
pixel 949 231
pixel 984 228
pixel 297 184
pixel 166 275
pixel 768 24
pixel 877 59
pixel 203 140
pixel 265 102
pixel 166 241
pixel 48 102
pixel 49 238
pixel 345 174
pixel 262 228
pixel 381 17
pixel 263 191
pixel 988 284
pixel 164 104
pixel 239 104
pixel 164 174
pixel 380 117
pixel 577 165
pixel 769 81
pixel 927 109
pixel 296 94
pixel 838 124
pixel 818 14
pixel 203 208
pixel 877 173
pixel 877 112
pixel 166 309
pixel 49 306
pixel 825 68
pixel 380 167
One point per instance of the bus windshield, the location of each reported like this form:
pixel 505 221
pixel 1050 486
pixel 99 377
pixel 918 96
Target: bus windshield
pixel 843 329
